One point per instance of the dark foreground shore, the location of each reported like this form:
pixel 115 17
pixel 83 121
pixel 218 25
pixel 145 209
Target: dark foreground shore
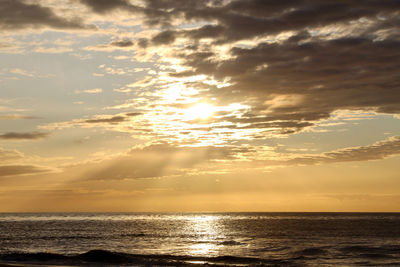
pixel 108 258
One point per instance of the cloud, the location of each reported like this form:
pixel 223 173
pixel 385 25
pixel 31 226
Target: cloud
pixel 21 72
pixel 105 6
pixel 5 46
pixel 294 63
pixel 10 47
pixel 89 91
pixel 16 117
pixel 112 46
pixel 16 14
pixel 23 136
pixel 345 73
pixel 157 160
pixel 53 50
pixel 165 37
pixel 122 43
pixel 14 170
pixel 133 114
pixel 376 151
pixel 10 155
pixel 163 159
pixel 112 120
pixel 238 20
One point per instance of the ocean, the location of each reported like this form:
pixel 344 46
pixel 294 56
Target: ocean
pixel 195 239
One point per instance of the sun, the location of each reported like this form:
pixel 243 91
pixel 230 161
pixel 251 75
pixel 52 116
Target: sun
pixel 199 111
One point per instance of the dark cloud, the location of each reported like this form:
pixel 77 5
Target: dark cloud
pixel 275 125
pixel 299 80
pixel 100 120
pixel 142 42
pixel 310 80
pixel 112 120
pixel 16 14
pixel 122 43
pixel 165 37
pixel 23 136
pixel 377 151
pixel 133 114
pixel 106 6
pixel 246 19
pixel 292 68
pixel 13 170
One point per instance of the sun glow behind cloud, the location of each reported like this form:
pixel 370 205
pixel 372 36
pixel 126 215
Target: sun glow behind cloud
pixel 197 123
pixel 199 111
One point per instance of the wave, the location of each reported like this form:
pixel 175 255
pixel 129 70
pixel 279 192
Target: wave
pixel 133 235
pixel 371 252
pixel 230 243
pixel 286 256
pixel 315 251
pixel 372 249
pixel 111 257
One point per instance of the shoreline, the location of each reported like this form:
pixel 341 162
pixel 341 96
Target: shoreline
pixel 14 264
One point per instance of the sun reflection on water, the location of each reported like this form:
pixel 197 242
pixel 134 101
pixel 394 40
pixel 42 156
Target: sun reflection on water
pixel 205 232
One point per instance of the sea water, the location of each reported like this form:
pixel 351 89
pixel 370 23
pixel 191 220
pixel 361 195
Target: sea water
pixel 220 239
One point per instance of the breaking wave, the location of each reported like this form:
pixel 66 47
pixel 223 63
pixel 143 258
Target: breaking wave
pixel 111 257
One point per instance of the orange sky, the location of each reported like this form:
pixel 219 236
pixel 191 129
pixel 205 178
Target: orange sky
pixel 199 105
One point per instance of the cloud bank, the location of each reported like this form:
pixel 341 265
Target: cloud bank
pixel 17 14
pixel 15 170
pixel 23 136
pixel 376 151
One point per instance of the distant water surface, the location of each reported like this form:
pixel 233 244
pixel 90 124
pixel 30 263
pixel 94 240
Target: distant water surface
pixel 236 239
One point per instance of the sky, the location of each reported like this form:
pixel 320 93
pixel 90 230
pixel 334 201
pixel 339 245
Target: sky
pixel 188 105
